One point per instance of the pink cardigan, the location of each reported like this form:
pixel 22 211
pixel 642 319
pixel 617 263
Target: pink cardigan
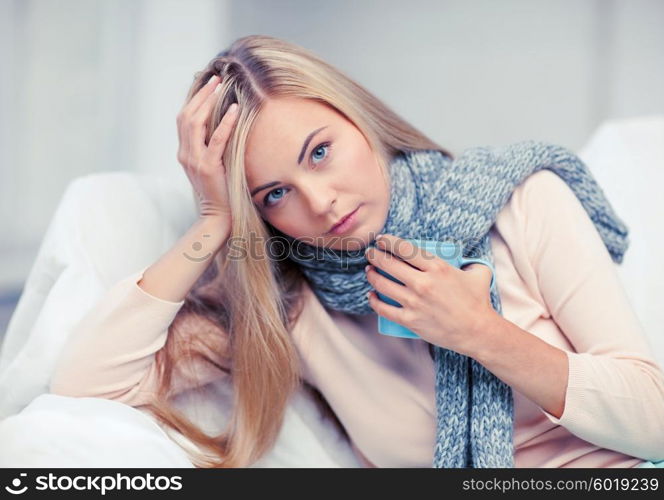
pixel 556 280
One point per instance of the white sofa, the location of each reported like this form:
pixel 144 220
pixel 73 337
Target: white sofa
pixel 109 225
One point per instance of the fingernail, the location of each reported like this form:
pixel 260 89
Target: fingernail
pixel 217 88
pixel 211 79
pixel 366 269
pixel 233 108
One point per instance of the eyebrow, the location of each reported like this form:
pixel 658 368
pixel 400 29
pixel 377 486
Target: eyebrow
pixel 305 145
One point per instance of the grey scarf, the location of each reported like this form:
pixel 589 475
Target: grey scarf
pixel 435 197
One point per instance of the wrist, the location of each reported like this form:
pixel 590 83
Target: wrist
pixel 483 336
pixel 215 229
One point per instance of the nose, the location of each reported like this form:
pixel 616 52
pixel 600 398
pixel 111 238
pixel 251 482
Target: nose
pixel 320 197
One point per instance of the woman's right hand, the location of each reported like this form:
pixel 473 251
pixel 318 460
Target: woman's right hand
pixel 203 162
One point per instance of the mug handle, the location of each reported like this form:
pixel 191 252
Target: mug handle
pixel 465 261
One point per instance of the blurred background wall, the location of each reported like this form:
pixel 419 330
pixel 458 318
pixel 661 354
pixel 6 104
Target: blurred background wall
pixel 95 85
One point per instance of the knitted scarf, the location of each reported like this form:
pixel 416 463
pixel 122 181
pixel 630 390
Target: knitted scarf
pixel 435 197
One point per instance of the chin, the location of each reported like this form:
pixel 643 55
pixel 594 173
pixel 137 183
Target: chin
pixel 349 243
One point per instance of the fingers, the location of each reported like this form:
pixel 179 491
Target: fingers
pixel 387 287
pixel 198 121
pixel 412 254
pixel 195 102
pixel 481 270
pixel 219 139
pixel 194 154
pixel 185 126
pixel 390 264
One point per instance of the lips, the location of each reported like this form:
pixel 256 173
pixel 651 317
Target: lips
pixel 342 220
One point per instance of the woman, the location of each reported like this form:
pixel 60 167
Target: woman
pixel 305 147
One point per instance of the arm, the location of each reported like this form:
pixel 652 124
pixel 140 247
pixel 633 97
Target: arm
pixel 526 363
pixel 609 391
pixel 173 275
pixel 111 352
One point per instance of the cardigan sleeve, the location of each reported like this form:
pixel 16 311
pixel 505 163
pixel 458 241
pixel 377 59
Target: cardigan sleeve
pixel 615 392
pixel 111 352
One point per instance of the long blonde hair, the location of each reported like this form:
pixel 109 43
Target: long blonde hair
pixel 238 316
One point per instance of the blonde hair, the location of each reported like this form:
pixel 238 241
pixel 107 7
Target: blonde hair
pixel 237 318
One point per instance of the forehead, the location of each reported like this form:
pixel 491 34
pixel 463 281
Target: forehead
pixel 279 131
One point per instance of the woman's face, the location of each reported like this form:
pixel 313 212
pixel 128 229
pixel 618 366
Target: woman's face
pixel 307 167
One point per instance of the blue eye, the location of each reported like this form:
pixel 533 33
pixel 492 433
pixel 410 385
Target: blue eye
pixel 267 196
pixel 324 145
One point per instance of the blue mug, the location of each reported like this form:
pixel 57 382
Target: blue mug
pixel 452 253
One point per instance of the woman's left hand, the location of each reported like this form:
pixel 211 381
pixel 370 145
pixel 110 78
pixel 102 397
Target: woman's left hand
pixel 445 306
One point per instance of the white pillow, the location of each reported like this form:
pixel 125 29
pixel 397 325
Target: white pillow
pixel 60 431
pixel 105 227
pixel 627 158
pixel 85 432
